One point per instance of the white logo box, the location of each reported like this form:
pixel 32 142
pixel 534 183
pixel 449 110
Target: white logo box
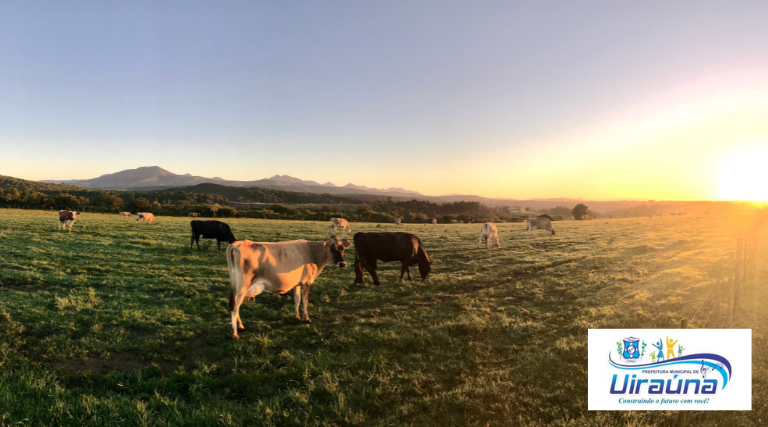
pixel 698 369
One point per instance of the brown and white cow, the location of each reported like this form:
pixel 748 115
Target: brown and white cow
pixel 146 216
pixel 66 219
pixel 194 214
pixel 340 223
pixel 397 222
pixel 488 233
pixel 277 268
pixel 434 221
pixel 126 214
pixel 541 223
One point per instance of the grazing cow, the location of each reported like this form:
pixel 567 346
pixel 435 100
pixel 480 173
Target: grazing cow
pixel 277 268
pixel 340 223
pixel 454 221
pixel 210 230
pixel 434 221
pixel 194 214
pixel 389 247
pixel 488 233
pixel 146 216
pixel 461 221
pixel 541 223
pixel 126 214
pixel 397 222
pixel 66 219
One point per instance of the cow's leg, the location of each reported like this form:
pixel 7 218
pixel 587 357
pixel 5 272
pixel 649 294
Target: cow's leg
pixel 408 270
pixel 480 242
pixel 359 272
pixel 305 300
pixel 371 267
pixel 219 243
pixel 197 240
pixel 252 291
pixel 192 241
pixel 297 300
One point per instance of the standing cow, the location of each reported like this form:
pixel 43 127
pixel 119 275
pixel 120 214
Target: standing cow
pixel 278 268
pixel 542 223
pixel 488 233
pixel 194 214
pixel 340 223
pixel 397 222
pixel 126 214
pixel 210 230
pixel 66 219
pixel 389 247
pixel 145 216
pixel 434 221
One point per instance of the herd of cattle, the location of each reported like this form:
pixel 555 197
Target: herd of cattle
pixel 277 268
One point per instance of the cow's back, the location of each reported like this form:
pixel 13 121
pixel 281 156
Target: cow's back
pixel 386 246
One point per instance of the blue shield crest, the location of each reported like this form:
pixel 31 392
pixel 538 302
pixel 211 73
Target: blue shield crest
pixel 631 350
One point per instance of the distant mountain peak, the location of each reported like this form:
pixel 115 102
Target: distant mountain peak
pixel 155 177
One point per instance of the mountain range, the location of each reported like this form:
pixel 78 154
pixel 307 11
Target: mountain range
pixel 156 178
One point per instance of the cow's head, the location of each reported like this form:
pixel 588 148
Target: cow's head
pixel 335 248
pixel 75 214
pixel 553 231
pixel 424 268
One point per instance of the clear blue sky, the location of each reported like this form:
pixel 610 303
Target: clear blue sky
pixel 506 99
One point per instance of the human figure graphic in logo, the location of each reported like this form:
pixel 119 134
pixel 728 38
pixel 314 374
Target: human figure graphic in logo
pixel 671 348
pixel 660 347
pixel 631 350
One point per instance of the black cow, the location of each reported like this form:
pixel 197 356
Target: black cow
pixel 210 230
pixel 387 247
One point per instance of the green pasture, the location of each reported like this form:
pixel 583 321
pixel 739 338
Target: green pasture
pixel 119 323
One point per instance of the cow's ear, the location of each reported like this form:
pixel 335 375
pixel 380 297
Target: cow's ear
pixel 346 243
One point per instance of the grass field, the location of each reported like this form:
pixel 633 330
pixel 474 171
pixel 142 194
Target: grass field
pixel 123 324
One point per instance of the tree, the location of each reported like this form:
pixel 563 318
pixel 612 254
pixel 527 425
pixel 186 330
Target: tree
pixel 140 204
pixel 579 211
pixel 12 195
pixel 68 201
pixel 108 200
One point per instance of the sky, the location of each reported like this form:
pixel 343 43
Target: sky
pixel 600 100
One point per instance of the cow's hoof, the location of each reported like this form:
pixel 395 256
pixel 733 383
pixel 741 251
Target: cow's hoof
pixel 235 336
pixel 241 328
pixel 307 321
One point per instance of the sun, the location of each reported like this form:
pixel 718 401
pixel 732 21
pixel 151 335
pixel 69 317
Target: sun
pixel 744 175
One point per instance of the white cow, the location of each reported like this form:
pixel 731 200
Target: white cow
pixel 541 223
pixel 488 233
pixel 278 268
pixel 340 223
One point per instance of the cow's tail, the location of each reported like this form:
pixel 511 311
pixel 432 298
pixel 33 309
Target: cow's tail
pixel 235 275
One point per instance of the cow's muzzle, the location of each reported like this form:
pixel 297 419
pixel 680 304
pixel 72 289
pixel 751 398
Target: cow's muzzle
pixel 341 264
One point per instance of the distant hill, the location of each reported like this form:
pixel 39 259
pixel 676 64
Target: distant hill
pixel 154 177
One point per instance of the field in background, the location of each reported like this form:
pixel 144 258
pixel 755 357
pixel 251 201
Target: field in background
pixel 122 323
